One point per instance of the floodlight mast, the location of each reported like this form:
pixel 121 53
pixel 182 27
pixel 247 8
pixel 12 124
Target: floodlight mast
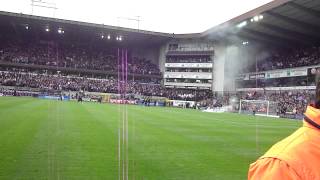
pixel 43 4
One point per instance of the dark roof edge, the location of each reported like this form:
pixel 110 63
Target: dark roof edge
pixel 130 30
pixel 247 15
pixel 238 19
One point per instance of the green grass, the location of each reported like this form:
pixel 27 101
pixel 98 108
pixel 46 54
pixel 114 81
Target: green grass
pixel 44 139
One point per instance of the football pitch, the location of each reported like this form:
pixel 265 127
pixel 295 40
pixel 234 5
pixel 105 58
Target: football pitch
pixel 46 139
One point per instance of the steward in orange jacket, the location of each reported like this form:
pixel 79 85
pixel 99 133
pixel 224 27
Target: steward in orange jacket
pixel 295 157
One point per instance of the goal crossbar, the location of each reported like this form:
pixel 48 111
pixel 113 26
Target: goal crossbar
pixel 254 102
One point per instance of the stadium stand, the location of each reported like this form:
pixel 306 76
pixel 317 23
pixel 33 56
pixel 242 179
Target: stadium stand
pixel 297 57
pixel 287 101
pixel 50 53
pixel 83 61
pixel 60 82
pixel 261 63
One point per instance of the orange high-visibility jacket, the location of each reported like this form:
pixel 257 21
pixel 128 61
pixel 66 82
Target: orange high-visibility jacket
pixel 295 157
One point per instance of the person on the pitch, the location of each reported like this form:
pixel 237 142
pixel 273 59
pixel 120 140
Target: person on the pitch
pixel 254 109
pixel 297 157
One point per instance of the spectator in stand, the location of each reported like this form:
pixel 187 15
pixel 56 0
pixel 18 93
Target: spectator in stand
pixel 294 58
pixel 51 54
pixel 60 82
pixel 292 102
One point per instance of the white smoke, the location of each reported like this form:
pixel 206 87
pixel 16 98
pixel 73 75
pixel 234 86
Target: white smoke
pixel 232 57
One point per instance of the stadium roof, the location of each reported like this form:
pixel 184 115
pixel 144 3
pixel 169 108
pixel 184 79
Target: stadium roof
pixel 129 35
pixel 280 23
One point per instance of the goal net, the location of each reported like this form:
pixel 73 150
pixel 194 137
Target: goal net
pixel 259 107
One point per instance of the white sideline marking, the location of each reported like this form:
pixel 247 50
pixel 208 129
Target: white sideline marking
pixel 264 115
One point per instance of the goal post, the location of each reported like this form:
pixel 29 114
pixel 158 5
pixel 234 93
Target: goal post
pixel 258 107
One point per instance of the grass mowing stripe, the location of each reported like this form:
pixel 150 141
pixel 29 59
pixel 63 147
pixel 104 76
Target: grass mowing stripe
pixel 79 141
pixel 17 137
pixel 92 143
pixel 186 125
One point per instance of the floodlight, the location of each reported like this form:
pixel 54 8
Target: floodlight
pixel 119 38
pixel 60 31
pixel 242 24
pixel 245 43
pixel 256 18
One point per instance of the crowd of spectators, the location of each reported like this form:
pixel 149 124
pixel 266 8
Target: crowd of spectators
pixel 60 82
pixel 57 55
pixel 11 92
pixel 71 56
pixel 295 102
pixel 288 59
pixel 277 82
pixel 284 102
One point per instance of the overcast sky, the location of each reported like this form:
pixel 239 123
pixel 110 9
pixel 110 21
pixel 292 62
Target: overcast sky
pixel 171 16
